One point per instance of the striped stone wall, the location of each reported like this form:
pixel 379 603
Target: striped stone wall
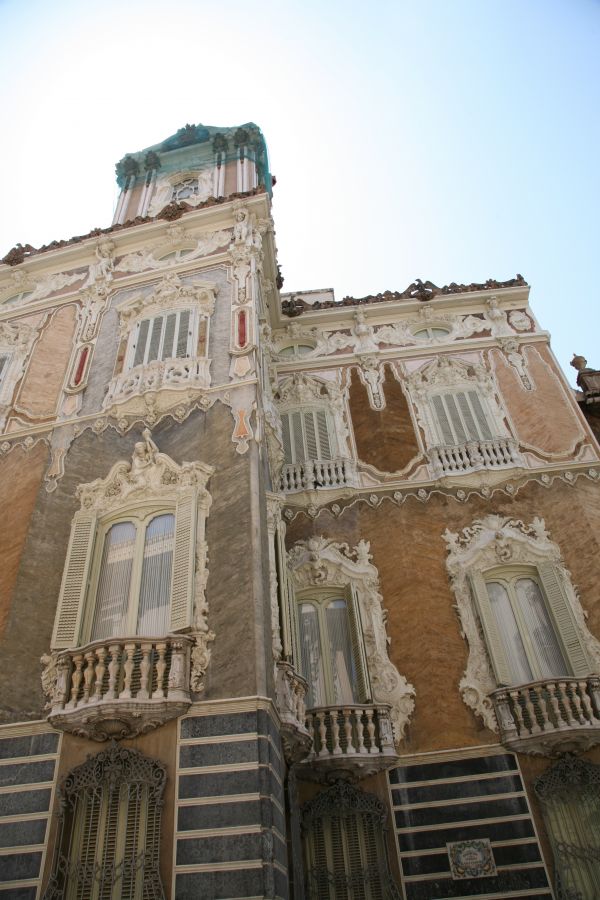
pixel 230 819
pixel 28 764
pixel 462 797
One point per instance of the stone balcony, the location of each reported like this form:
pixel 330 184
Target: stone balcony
pixel 315 474
pixel 549 717
pixel 349 742
pixel 460 459
pixel 121 687
pixel 290 691
pixel 169 375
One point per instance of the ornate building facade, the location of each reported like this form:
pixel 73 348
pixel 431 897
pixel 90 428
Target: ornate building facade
pixel 299 597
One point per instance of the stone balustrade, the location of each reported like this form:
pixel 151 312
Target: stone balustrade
pixel 121 687
pixel 551 716
pixel 156 376
pixel 353 741
pixel 497 453
pixel 316 473
pixel 290 691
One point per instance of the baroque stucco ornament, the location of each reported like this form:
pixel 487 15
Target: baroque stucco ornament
pixel 487 543
pixel 318 563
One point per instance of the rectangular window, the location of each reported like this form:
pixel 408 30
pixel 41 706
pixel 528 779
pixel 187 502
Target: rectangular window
pixel 168 336
pixel 306 436
pixel 460 417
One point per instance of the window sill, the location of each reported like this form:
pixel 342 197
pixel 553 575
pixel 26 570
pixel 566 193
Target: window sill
pixel 549 717
pixel 121 687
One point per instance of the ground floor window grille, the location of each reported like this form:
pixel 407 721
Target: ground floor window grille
pixel 569 794
pixel 109 829
pixel 344 846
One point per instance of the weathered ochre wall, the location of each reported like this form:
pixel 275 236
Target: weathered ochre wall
pixel 543 417
pixel 384 439
pixel 410 554
pixel 21 474
pixel 160 744
pixel 45 374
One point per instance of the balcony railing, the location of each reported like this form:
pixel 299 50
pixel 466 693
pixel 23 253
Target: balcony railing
pixel 473 456
pixel 353 741
pixel 156 376
pixel 551 716
pixel 316 473
pixel 291 690
pixel 121 687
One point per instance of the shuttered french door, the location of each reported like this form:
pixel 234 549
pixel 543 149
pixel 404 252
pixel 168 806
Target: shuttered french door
pixel 306 436
pixel 163 337
pixel 460 417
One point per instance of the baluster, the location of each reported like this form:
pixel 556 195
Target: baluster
pixel 577 702
pixel 336 748
pixel 145 688
pixel 373 748
pixel 588 712
pixel 310 727
pixel 594 694
pixel 562 686
pixel 88 675
pixel 517 711
pixel 386 735
pixel 529 693
pixel 556 714
pixel 113 670
pixel 161 665
pixel 320 716
pixel 100 670
pixel 177 681
pixel 347 713
pixel 128 668
pixel 360 731
pixel 76 679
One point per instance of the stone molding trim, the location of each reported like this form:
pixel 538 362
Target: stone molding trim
pixel 170 293
pixel 487 543
pixel 320 563
pixel 16 343
pixel 302 391
pixel 152 256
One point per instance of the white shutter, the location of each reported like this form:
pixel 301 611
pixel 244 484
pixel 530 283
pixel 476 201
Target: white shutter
pixel 140 344
pixel 74 581
pixel 457 425
pixel 442 419
pixel 184 334
pixel 490 628
pixel 358 646
pixel 287 441
pixel 3 366
pixel 297 437
pixel 467 416
pixel 167 349
pixel 484 428
pixel 323 432
pixel 312 449
pixel 291 646
pixel 563 618
pixel 184 556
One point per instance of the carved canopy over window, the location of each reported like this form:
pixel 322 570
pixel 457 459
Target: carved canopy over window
pixel 109 829
pixel 509 578
pixel 335 630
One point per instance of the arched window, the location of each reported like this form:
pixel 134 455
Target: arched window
pixel 344 846
pixel 109 829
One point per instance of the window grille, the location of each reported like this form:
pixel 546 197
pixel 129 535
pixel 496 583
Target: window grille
pixel 109 829
pixel 184 189
pixel 344 846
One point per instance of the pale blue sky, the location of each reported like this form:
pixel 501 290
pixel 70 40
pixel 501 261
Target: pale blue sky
pixel 446 139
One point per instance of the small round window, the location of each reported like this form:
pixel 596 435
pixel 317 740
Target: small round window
pixel 295 350
pixel 434 331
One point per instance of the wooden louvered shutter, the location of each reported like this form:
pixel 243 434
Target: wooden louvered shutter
pixel 482 422
pixel 291 646
pixel 312 448
pixel 566 626
pixel 358 645
pixel 323 432
pixel 442 418
pixel 140 344
pixel 490 628
pixel 287 440
pixel 74 581
pixel 182 586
